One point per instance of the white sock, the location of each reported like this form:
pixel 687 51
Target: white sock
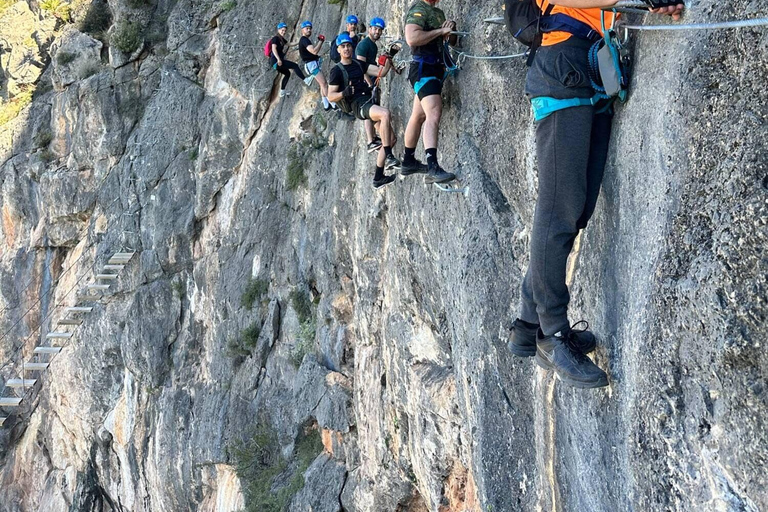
pixel 326 104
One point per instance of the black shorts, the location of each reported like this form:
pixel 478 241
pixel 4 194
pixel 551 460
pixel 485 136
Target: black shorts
pixel 430 82
pixel 361 107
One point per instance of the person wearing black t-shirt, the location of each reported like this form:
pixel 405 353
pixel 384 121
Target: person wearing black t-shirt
pixel 278 61
pixel 348 87
pixel 310 55
pixel 367 51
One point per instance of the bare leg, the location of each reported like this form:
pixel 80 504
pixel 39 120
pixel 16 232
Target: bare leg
pixel 433 110
pixel 413 130
pixel 370 131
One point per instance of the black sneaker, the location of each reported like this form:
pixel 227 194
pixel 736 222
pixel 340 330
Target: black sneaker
pixel 523 339
pixel 374 146
pixel 384 180
pixel 560 353
pixel 436 174
pixel 406 169
pixel 391 163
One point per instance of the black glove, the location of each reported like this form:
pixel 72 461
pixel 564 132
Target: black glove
pixel 656 4
pixel 349 92
pixel 393 51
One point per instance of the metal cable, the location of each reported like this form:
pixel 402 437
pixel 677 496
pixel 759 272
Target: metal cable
pixel 757 22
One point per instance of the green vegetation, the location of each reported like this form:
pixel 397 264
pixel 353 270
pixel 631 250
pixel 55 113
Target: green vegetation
pixel 178 289
pixel 194 154
pixel 295 177
pixel 258 465
pixel 88 69
pixel 305 339
pixel 227 5
pixel 301 304
pixel 58 9
pixel 254 291
pixel 10 109
pixel 341 3
pixel 126 37
pixel 64 58
pixel 47 155
pixel 97 20
pixel 243 345
pixel 43 138
pixel 138 4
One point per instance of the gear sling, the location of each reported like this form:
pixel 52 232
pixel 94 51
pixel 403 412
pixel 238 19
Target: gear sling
pixel 608 59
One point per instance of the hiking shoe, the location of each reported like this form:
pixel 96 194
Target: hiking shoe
pixel 406 169
pixel 560 353
pixel 391 163
pixel 384 180
pixel 284 93
pixel 523 339
pixel 436 174
pixel 308 80
pixel 374 146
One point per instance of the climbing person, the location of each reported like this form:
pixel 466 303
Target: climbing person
pixel 426 31
pixel 278 61
pixel 367 51
pixel 572 136
pixel 310 55
pixel 352 32
pixel 348 88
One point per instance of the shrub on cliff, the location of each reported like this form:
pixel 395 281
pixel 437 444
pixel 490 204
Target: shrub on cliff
pixel 126 37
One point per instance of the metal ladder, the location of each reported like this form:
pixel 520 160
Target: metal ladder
pixel 73 316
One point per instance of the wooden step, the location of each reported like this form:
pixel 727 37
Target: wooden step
pixel 34 367
pixel 47 350
pixel 113 267
pixel 69 321
pixel 20 383
pixel 58 335
pixel 9 401
pixel 79 309
pixel 106 277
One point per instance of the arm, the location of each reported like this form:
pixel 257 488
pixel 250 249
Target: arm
pixel 417 36
pixel 583 4
pixel 374 70
pixel 334 95
pixel 315 48
pixel 276 55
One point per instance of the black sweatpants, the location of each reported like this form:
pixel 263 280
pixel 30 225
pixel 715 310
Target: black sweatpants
pixel 285 70
pixel 571 149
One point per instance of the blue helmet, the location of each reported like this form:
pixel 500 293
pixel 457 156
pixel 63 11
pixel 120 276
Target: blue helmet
pixel 306 24
pixel 352 19
pixel 343 38
pixel 378 22
pixel 281 25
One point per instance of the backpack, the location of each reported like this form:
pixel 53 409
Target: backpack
pixel 522 18
pixel 335 57
pixel 268 49
pixel 527 24
pixel 344 104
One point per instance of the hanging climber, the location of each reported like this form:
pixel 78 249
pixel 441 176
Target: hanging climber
pixel 310 55
pixel 278 61
pixel 367 51
pixel 573 128
pixel 353 94
pixel 426 32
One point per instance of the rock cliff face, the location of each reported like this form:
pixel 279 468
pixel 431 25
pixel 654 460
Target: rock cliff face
pixel 287 336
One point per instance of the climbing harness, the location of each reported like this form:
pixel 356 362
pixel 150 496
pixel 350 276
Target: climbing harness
pixel 608 64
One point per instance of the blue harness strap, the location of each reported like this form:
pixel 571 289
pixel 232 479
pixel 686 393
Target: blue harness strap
pixel 563 23
pixel 544 105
